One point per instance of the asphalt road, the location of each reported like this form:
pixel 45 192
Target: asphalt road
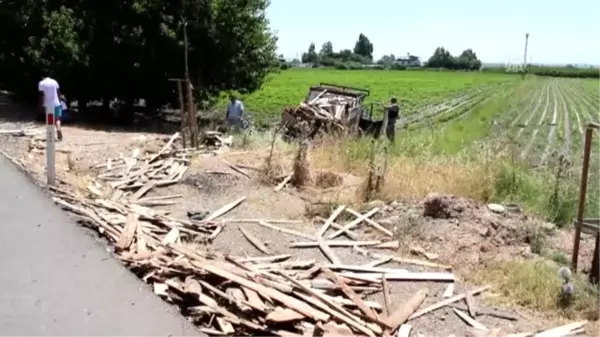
pixel 57 279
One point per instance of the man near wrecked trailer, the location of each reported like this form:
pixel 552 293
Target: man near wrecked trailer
pixel 49 99
pixel 393 112
pixel 235 110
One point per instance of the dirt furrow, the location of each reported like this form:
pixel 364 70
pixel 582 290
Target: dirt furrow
pixel 566 120
pixel 589 107
pixel 569 96
pixel 533 112
pixel 539 100
pixel 538 125
pixel 552 130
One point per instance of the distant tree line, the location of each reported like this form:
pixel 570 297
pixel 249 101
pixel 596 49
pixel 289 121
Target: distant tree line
pixel 552 71
pixel 442 58
pixel 362 57
pixel 129 49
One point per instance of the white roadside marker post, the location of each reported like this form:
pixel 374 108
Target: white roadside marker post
pixel 50 150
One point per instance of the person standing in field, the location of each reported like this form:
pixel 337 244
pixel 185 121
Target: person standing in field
pixel 49 98
pixel 235 111
pixel 393 112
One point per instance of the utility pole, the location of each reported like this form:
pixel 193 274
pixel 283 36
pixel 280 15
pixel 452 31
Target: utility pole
pixel 190 95
pixel 525 55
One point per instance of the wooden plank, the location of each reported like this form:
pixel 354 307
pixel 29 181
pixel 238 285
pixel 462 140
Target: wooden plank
pixel 254 241
pixel 224 209
pixel 562 330
pixel 404 330
pixel 286 300
pixel 446 302
pixel 126 238
pixel 285 230
pixel 449 291
pixel 330 307
pixel 386 296
pixel 143 190
pixel 283 315
pixel 165 148
pixel 331 219
pixel 470 320
pixel 470 301
pixel 329 254
pixel 402 313
pixel 354 223
pixel 378 262
pixel 334 243
pixel 371 222
pixel 283 183
pixel 351 294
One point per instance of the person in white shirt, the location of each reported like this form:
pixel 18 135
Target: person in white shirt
pixel 49 96
pixel 235 110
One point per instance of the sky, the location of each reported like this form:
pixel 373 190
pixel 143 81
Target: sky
pixel 561 32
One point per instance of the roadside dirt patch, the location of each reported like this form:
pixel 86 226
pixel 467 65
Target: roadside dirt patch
pixel 466 233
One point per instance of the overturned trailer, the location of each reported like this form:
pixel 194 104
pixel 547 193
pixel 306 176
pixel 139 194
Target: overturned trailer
pixel 329 108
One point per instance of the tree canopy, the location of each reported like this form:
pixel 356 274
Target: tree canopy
pixel 128 49
pixel 442 58
pixel 363 47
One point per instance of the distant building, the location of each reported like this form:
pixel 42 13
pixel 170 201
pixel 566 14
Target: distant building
pixel 408 60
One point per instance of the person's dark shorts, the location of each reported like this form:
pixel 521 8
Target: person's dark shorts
pixel 57 112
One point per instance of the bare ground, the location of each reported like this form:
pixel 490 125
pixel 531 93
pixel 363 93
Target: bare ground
pixel 467 235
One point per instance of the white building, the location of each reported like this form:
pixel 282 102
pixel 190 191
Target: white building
pixel 408 60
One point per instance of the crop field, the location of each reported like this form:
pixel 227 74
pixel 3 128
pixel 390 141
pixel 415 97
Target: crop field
pixel 414 89
pixel 546 116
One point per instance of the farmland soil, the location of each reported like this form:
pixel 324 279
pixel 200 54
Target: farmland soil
pixel 451 230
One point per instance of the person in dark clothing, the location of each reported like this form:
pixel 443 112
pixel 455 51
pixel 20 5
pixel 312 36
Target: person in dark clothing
pixel 393 112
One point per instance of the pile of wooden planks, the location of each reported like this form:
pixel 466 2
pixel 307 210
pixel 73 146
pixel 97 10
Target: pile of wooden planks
pixel 267 295
pixel 326 110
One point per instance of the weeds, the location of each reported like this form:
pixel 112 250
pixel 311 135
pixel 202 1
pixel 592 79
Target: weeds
pixel 537 285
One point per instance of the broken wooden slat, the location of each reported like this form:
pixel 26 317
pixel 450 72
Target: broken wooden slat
pixel 288 301
pixel 404 330
pixel 283 183
pixel 331 219
pixel 128 234
pixel 470 301
pixel 470 320
pixel 285 230
pixel 401 314
pixel 254 241
pixel 371 222
pixel 324 247
pixel 351 294
pixel 224 209
pixel 354 223
pixel 449 291
pixel 446 302
pixel 562 330
pixel 283 315
pixel 334 243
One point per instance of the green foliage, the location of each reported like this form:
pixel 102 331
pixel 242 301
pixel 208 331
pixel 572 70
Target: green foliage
pixel 364 47
pixel 566 71
pixel 442 58
pixel 413 89
pixel 128 49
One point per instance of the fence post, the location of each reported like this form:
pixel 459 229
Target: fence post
pixel 50 146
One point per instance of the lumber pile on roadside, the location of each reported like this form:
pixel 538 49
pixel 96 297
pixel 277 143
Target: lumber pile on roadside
pixel 266 295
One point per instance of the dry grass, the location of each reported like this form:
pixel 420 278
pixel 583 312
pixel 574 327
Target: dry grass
pixel 414 177
pixel 536 285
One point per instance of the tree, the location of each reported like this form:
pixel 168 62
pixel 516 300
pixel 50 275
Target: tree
pixel 387 60
pixel 364 47
pixel 128 49
pixel 326 50
pixel 311 56
pixel 468 60
pixel 441 58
